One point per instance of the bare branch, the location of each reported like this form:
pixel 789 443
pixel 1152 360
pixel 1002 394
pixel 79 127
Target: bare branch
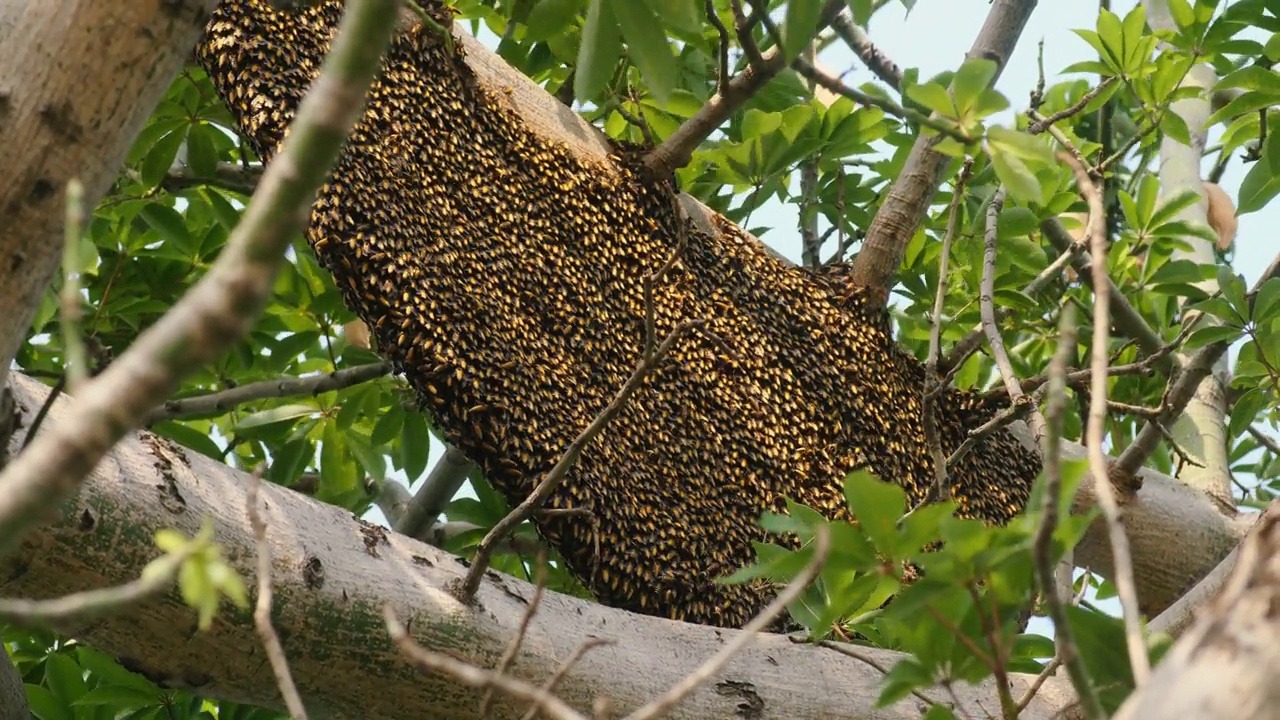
pixel 217 403
pixel 1065 649
pixel 235 177
pixel 870 55
pixel 676 151
pixel 1096 427
pixel 661 705
pixel 908 199
pixel 441 484
pixel 474 676
pixel 262 609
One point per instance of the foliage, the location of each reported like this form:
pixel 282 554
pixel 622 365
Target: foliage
pixel 159 231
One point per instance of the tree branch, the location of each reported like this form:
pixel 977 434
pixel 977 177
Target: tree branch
pixel 329 565
pixel 67 66
pixel 217 403
pixel 676 151
pixel 224 304
pixel 909 198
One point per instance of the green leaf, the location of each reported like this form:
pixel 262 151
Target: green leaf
pixel 415 445
pixel 1015 221
pixel 549 18
pixel 800 26
pixel 272 416
pixel 1266 304
pixel 876 504
pixel 600 50
pixel 160 157
pixel 1175 127
pixel 1257 189
pixel 971 81
pixel 169 223
pixel 650 51
pixel 1208 335
pixel 907 675
pixel 935 98
pixel 65 678
pixel 44 705
pixel 1015 175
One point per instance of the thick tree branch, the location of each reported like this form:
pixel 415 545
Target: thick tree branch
pixel 908 199
pixel 441 484
pixel 54 130
pixel 224 304
pixel 1224 667
pixel 333 575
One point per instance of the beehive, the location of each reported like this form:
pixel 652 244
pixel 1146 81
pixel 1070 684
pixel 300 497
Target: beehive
pixel 504 276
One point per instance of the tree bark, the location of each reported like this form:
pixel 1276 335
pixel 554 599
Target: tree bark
pixel 81 78
pixel 898 218
pixel 1225 666
pixel 334 574
pixel 1200 431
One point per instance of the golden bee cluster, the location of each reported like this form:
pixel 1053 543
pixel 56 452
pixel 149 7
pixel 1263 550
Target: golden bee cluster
pixel 504 276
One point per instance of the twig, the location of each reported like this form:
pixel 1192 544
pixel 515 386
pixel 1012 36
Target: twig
pixel 1265 440
pixel 850 651
pixel 513 647
pixel 810 72
pixel 722 77
pixel 986 304
pixel 223 400
pixel 73 352
pixel 677 149
pixel 940 487
pixel 262 610
pixel 230 176
pixel 967 345
pixel 1066 650
pixel 1127 319
pixel 1049 671
pixel 91 604
pixel 475 677
pixel 223 306
pixel 1040 123
pixel 466 589
pixel 1096 427
pixel 870 55
pixel 554 681
pixel 1179 392
pixel 662 705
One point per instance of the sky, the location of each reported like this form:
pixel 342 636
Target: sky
pixel 935 36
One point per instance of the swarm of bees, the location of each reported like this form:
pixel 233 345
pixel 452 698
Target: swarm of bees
pixel 504 276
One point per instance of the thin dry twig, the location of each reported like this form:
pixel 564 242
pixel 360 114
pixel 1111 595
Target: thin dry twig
pixel 475 677
pixel 662 705
pixel 677 149
pixel 940 487
pixel 262 609
pixel 1040 123
pixel 466 589
pixel 1066 650
pixel 91 604
pixel 554 681
pixel 986 304
pixel 851 651
pixel 1096 426
pixel 513 647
